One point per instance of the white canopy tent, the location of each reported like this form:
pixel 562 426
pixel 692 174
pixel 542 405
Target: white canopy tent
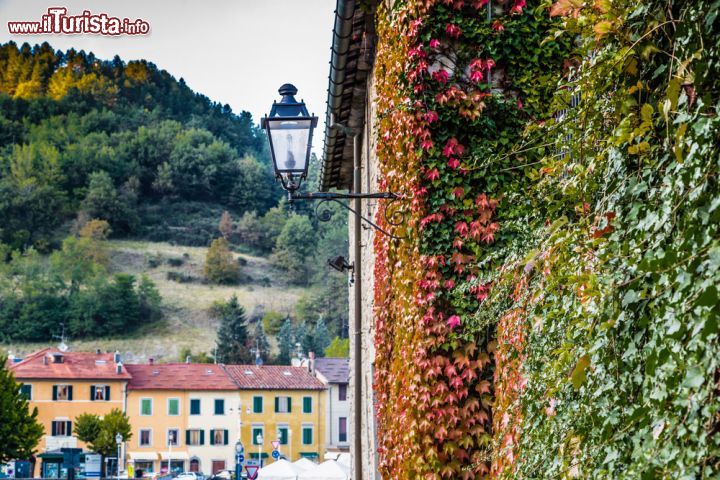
pixel 280 470
pixel 329 470
pixel 304 464
pixel 344 458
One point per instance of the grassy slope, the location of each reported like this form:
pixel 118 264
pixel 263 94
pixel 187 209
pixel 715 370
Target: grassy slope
pixel 186 321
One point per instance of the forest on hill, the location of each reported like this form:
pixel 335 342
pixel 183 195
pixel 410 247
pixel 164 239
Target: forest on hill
pixel 91 149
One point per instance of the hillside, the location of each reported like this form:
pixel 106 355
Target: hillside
pixel 186 320
pixel 100 158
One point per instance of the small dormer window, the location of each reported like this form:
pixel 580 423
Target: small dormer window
pixel 58 358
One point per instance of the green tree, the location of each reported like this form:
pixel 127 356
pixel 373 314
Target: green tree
pixel 320 337
pixel 103 201
pixel 294 249
pixel 20 430
pixel 220 266
pixel 272 322
pixel 339 347
pixel 87 427
pixel 286 342
pixel 114 422
pixel 232 338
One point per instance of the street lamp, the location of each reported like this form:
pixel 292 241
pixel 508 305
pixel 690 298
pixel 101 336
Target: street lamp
pixel 239 450
pixel 118 440
pixel 290 128
pixel 259 440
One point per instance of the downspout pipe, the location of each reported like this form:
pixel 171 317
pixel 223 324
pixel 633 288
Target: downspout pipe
pixel 357 307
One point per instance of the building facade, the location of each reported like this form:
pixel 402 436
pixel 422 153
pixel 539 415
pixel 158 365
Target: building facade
pixel 64 385
pixel 280 403
pixel 335 373
pixel 184 417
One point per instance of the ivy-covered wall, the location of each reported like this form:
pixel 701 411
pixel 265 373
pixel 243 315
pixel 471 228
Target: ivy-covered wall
pixel 553 312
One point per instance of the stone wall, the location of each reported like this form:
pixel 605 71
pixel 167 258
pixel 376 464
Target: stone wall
pixel 367 265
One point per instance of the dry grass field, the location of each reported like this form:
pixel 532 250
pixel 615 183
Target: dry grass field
pixel 186 322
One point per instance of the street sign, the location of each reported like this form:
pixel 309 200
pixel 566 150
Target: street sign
pixel 275 454
pixel 252 471
pixel 275 444
pixel 241 458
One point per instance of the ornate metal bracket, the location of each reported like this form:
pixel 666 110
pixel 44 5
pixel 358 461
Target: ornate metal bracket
pixel 394 216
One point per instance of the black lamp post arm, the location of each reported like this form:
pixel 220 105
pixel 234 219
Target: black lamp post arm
pixel 395 218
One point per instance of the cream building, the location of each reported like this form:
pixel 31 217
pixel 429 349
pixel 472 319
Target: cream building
pixel 184 416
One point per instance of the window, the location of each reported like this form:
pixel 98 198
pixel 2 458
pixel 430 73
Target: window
pixel 342 428
pixel 219 406
pixel 255 432
pixel 99 393
pixel 194 406
pixel 218 437
pixel 283 435
pixel 146 406
pixel 342 392
pixel 307 404
pixel 62 392
pixel 26 391
pixel 257 404
pixel 146 467
pixel 173 406
pixel 307 435
pixel 195 437
pixel 145 437
pixel 61 428
pixel 283 404
pixel 173 437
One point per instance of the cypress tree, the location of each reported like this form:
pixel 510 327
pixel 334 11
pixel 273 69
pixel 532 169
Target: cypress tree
pixel 232 340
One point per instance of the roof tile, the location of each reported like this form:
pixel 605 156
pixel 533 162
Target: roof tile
pixel 74 366
pixel 273 377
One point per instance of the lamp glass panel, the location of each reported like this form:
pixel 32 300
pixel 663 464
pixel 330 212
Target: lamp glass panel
pixel 290 140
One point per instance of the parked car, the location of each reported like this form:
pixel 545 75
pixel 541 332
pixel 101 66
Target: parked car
pixel 191 476
pixel 223 475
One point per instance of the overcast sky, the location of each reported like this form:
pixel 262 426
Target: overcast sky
pixel 234 51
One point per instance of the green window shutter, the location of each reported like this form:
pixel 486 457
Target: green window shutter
pixel 92 392
pixel 26 391
pixel 307 404
pixel 187 437
pixel 195 406
pixel 54 394
pixel 289 404
pixel 277 404
pixel 202 437
pixel 225 437
pixel 70 388
pixel 68 428
pixel 255 433
pixel 219 406
pixel 53 428
pixel 212 437
pixel 307 436
pixel 107 393
pixel 283 436
pixel 257 404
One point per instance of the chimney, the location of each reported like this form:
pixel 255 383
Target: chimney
pixel 151 361
pixel 45 360
pixel 98 351
pixel 311 362
pixel 116 357
pixel 118 368
pixel 187 358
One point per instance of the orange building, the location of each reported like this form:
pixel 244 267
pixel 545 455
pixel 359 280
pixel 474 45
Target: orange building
pixel 64 385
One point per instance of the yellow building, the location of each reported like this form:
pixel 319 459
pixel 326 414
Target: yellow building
pixel 183 415
pixel 281 403
pixel 64 385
